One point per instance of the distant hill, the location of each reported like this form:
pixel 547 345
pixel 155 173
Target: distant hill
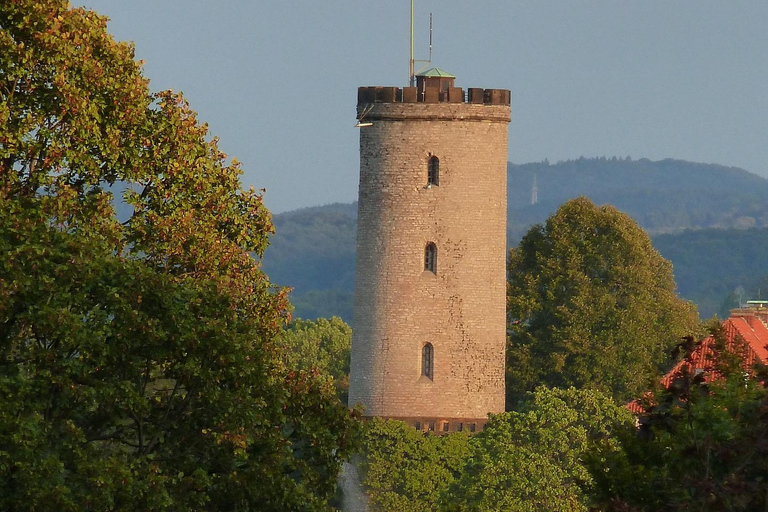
pixel 718 268
pixel 668 196
pixel 682 204
pixel 314 253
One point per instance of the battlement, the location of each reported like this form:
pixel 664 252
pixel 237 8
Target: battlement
pixel 473 95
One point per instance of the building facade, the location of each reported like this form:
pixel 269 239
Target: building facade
pixel 430 300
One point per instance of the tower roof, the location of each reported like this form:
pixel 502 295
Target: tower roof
pixel 435 72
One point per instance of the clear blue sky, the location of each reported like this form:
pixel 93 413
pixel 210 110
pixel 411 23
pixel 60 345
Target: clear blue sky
pixel 277 80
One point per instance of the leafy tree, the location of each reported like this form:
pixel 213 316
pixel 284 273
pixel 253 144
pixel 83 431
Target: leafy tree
pixel 590 303
pixel 543 457
pixel 549 455
pixel 407 470
pixel 140 364
pixel 323 345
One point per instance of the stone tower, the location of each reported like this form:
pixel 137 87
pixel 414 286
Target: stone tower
pixel 430 298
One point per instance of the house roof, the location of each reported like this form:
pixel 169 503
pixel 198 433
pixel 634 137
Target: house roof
pixel 746 334
pixel 753 331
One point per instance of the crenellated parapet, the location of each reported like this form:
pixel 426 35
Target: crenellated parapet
pixel 473 95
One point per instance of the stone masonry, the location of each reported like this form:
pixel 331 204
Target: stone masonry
pixel 400 306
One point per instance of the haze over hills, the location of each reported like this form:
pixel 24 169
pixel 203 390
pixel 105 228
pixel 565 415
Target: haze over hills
pixel 700 216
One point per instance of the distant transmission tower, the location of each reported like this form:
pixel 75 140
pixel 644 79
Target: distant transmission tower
pixel 534 191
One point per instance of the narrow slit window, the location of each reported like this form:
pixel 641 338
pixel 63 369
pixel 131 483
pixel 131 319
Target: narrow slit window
pixel 428 361
pixel 430 257
pixel 433 174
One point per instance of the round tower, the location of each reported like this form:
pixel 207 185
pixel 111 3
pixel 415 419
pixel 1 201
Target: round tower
pixel 430 298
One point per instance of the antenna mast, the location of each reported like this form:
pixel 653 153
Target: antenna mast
pixel 430 37
pixel 412 62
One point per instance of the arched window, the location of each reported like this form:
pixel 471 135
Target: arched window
pixel 430 257
pixel 428 361
pixel 433 173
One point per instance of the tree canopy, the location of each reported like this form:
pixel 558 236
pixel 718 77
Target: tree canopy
pixel 543 457
pixel 702 444
pixel 590 303
pixel 140 362
pixel 410 471
pixel 549 455
pixel 323 345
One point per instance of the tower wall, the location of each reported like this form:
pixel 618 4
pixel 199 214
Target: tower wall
pixel 400 306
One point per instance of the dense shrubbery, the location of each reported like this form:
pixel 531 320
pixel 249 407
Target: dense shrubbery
pixel 321 346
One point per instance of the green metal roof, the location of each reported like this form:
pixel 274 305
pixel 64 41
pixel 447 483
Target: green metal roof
pixel 432 72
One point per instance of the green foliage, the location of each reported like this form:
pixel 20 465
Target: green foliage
pixel 541 457
pixel 549 455
pixel 699 447
pixel 590 304
pixel 323 346
pixel 125 388
pixel 140 364
pixel 408 470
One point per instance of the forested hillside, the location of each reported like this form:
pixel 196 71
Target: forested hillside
pixel 667 196
pixel 698 214
pixel 718 268
pixel 314 253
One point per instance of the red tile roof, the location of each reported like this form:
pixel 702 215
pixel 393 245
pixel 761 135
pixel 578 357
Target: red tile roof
pixel 754 332
pixel 746 334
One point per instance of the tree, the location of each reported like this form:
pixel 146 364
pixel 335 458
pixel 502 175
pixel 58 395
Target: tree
pixel 702 444
pixel 140 363
pixel 407 470
pixel 549 455
pixel 590 303
pixel 323 345
pixel 543 457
